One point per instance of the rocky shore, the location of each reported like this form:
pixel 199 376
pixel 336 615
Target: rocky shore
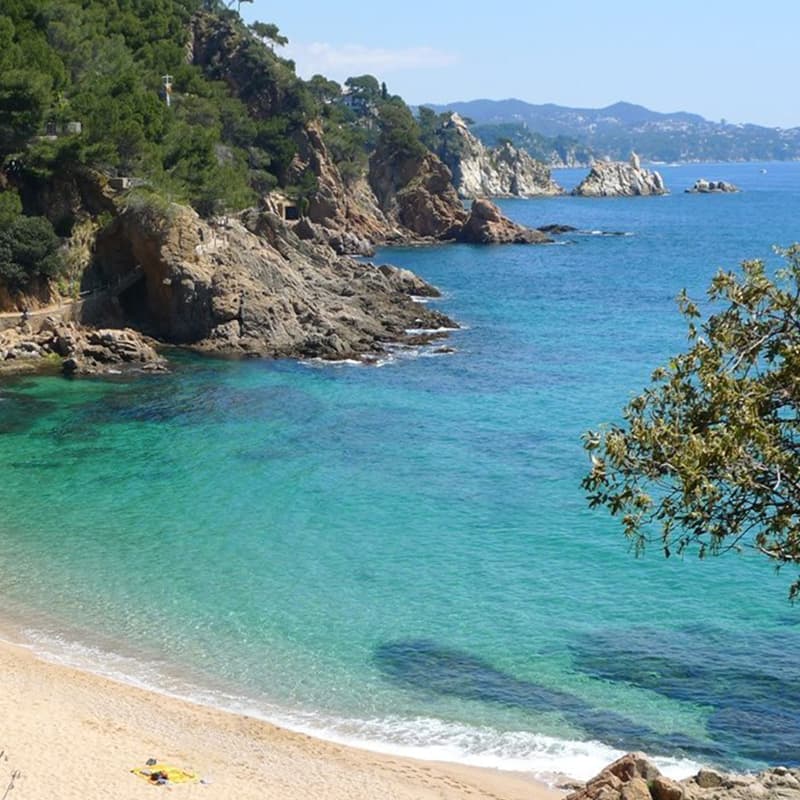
pixel 77 350
pixel 486 225
pixel 633 777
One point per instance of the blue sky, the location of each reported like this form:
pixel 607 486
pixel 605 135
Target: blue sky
pixel 738 60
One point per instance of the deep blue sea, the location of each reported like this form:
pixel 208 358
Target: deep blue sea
pixel 401 555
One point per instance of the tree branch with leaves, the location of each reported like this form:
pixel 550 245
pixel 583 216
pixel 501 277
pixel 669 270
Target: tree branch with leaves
pixel 707 458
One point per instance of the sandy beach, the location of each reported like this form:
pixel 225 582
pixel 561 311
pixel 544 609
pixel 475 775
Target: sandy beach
pixel 71 734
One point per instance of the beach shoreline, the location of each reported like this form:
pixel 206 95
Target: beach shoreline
pixel 75 734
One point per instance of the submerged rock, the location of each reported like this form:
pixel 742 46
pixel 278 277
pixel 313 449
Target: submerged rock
pixel 557 229
pixel 620 179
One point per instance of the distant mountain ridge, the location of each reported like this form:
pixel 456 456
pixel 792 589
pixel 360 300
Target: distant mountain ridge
pixel 613 131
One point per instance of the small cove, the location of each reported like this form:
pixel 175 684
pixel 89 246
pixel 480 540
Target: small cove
pixel 402 555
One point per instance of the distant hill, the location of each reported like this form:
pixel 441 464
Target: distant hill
pixel 619 128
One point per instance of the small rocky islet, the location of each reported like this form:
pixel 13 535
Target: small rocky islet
pixel 703 186
pixel 620 179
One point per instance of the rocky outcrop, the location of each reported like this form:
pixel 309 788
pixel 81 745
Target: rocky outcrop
pixel 77 350
pixel 250 285
pixel 486 225
pixel 479 171
pixel 401 199
pixel 618 179
pixel 416 193
pixel 702 186
pixel 346 216
pixel 633 777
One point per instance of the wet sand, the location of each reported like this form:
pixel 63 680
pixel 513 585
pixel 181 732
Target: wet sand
pixel 71 734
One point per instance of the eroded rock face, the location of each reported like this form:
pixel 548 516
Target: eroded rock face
pixel 401 199
pixel 346 216
pixel 486 225
pixel 618 179
pixel 251 286
pixel 479 171
pixel 633 777
pixel 417 194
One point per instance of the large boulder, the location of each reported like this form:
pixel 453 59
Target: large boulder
pixel 486 225
pixel 620 179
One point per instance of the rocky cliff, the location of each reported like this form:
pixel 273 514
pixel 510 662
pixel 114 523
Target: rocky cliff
pixel 620 179
pixel 479 171
pixel 251 286
pixel 404 195
pixel 403 198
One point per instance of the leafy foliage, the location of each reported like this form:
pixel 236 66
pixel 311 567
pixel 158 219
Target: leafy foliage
pixel 399 131
pixel 10 208
pixel 269 31
pixel 709 455
pixel 29 248
pixel 101 62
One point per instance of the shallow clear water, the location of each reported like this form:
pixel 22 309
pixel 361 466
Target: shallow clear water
pixel 403 555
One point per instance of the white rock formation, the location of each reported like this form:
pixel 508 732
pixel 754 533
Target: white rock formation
pixel 479 171
pixel 618 179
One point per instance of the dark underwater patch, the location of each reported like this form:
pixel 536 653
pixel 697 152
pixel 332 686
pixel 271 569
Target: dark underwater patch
pixel 19 412
pixel 426 666
pixel 752 684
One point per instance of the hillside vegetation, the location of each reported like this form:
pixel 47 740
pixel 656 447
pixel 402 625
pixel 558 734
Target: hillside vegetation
pixel 83 90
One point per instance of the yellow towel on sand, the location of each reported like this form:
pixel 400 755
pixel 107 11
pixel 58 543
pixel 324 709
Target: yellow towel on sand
pixel 174 774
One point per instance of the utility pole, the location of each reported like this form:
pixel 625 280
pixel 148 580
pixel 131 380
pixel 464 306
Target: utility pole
pixel 167 82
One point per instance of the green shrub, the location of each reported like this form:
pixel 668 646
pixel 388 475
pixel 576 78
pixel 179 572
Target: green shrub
pixel 29 248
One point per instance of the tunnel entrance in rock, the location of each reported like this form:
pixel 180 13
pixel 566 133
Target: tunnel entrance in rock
pixel 133 301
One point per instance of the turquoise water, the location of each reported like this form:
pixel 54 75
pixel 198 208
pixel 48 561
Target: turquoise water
pixel 402 555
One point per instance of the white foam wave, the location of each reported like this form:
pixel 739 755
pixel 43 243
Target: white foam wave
pixel 546 758
pixel 605 233
pixel 428 331
pixel 332 362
